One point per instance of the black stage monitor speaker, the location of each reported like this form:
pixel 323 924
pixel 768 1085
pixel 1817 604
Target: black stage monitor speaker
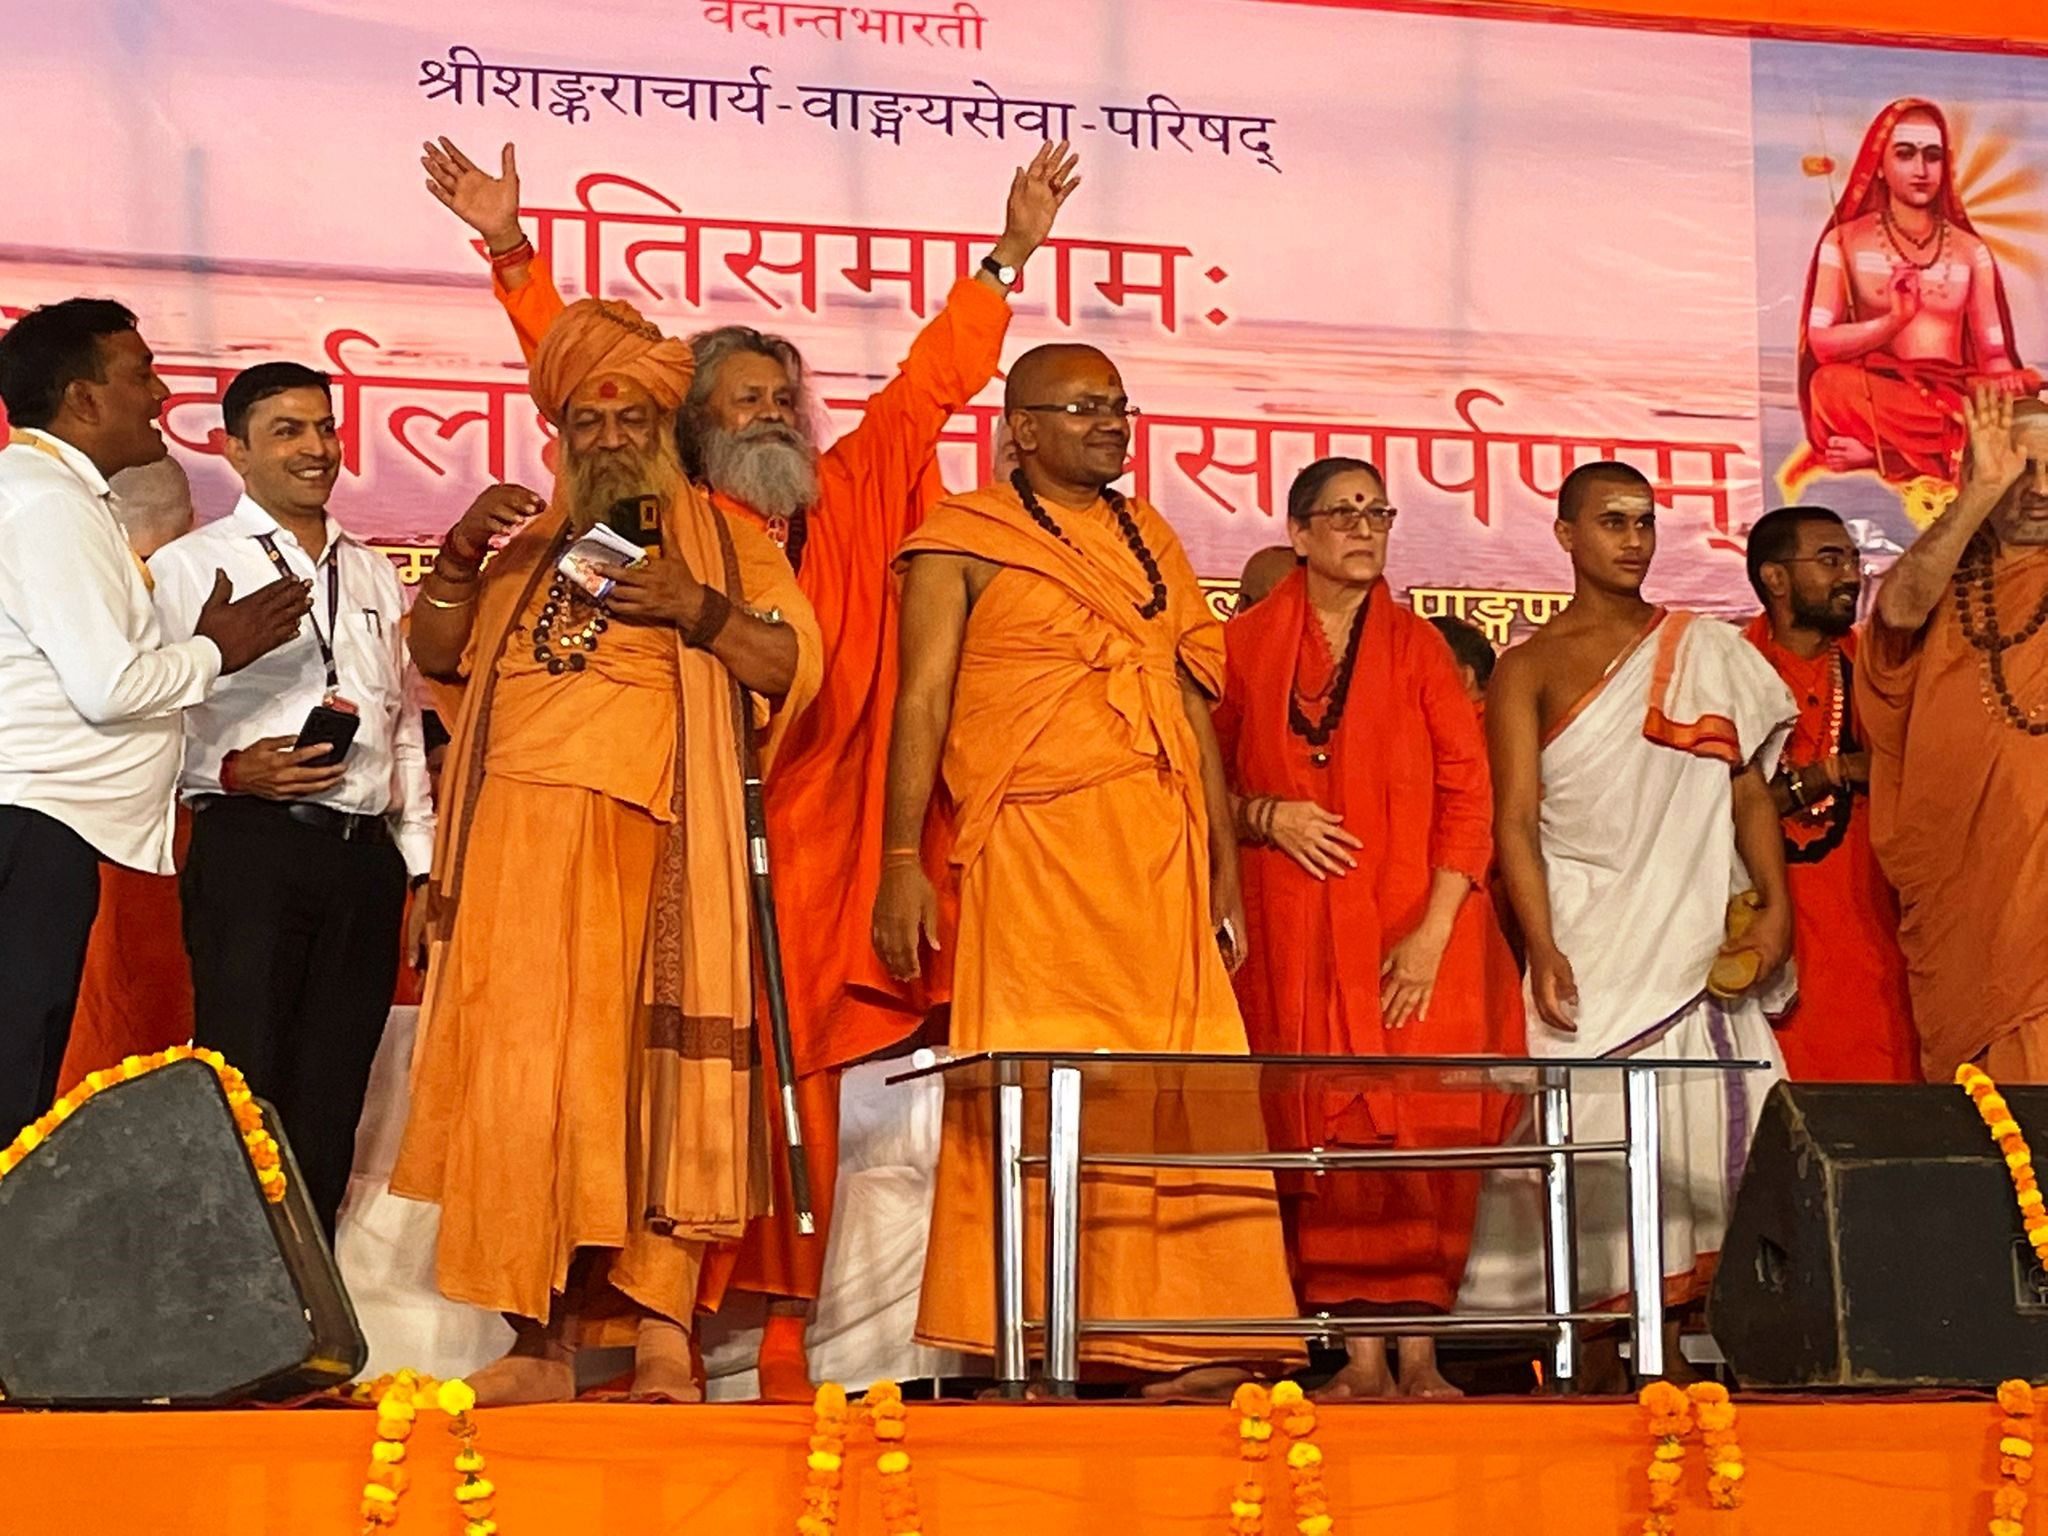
pixel 140 1263
pixel 1876 1243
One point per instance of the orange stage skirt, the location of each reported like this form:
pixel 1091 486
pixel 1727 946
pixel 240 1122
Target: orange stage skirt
pixel 1402 1469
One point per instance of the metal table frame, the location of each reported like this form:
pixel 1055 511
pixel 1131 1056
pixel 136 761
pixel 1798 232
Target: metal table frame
pixel 1062 1324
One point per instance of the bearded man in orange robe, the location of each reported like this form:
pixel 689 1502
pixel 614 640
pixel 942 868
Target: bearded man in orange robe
pixel 1098 864
pixel 1853 1021
pixel 839 513
pixel 1952 692
pixel 584 1105
pixel 1359 777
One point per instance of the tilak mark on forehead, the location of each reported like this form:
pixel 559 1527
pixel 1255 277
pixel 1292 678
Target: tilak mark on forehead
pixel 608 390
pixel 1923 135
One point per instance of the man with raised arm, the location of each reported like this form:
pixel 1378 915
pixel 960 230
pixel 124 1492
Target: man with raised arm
pixel 1630 749
pixel 1952 691
pixel 1099 898
pixel 746 431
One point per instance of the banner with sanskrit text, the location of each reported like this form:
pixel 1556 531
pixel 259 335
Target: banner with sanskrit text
pixel 1475 251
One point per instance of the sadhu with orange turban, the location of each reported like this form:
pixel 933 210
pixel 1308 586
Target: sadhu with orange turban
pixel 584 1100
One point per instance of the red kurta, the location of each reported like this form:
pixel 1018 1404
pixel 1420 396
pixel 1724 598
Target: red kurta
pixel 1407 772
pixel 824 794
pixel 1853 1021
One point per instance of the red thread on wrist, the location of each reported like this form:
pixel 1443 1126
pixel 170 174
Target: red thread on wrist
pixel 227 773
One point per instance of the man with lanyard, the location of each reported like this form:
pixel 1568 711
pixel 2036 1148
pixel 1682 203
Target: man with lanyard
pixel 295 885
pixel 89 690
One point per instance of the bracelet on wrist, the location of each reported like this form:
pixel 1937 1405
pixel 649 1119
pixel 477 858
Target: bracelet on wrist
pixel 446 605
pixel 227 773
pixel 713 613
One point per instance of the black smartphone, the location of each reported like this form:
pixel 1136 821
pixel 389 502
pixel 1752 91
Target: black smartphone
pixel 332 728
pixel 637 519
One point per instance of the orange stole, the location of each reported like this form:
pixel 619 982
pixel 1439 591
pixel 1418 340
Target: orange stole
pixel 135 997
pixel 824 795
pixel 1959 818
pixel 1853 1020
pixel 1408 774
pixel 1085 923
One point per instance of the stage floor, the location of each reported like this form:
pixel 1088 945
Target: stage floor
pixel 1400 1469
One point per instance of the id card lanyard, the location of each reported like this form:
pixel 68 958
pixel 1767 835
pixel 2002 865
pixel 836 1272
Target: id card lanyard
pixel 326 644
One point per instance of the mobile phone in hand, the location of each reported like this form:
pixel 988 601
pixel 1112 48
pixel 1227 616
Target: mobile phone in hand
pixel 332 728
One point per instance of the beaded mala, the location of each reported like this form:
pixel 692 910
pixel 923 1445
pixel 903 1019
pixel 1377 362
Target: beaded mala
pixel 1977 612
pixel 1153 606
pixel 1317 733
pixel 552 629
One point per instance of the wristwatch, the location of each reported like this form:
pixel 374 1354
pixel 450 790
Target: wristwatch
pixel 1006 275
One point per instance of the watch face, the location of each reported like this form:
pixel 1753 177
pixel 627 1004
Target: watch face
pixel 1006 275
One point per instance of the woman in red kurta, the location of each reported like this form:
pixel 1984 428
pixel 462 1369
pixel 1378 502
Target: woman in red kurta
pixel 1359 774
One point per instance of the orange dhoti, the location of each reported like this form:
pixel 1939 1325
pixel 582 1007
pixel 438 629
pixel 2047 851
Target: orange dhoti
pixel 1409 778
pixel 1085 925
pixel 1902 409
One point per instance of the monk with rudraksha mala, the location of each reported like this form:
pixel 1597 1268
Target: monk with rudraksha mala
pixel 1952 690
pixel 1364 810
pixel 1853 1019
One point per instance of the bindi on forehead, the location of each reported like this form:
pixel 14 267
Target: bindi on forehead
pixel 608 390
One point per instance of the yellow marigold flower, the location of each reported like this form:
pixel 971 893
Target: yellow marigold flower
pixel 1315 1525
pixel 393 1429
pixel 889 1429
pixel 1734 1471
pixel 1285 1394
pixel 884 1392
pixel 822 1461
pixel 1669 1450
pixel 806 1525
pixel 2016 1159
pixel 889 1463
pixel 1250 1399
pixel 2006 1528
pixel 1707 1392
pixel 481 1528
pixel 477 1488
pixel 1244 1511
pixel 9 1159
pixel 1665 1471
pixel 377 1493
pixel 831 1398
pixel 61 1111
pixel 2015 1396
pixel 1302 1454
pixel 1254 1429
pixel 396 1405
pixel 2005 1127
pixel 388 1450
pixel 1662 1397
pixel 2013 1445
pixel 469 1461
pixel 29 1139
pixel 456 1398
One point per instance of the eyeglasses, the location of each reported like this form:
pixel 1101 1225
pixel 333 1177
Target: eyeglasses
pixel 1090 410
pixel 1833 561
pixel 1347 519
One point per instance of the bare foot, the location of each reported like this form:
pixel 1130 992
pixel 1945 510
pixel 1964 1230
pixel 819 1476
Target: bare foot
pixel 1202 1384
pixel 525 1378
pixel 664 1366
pixel 1420 1377
pixel 1035 1391
pixel 1357 1382
pixel 1844 454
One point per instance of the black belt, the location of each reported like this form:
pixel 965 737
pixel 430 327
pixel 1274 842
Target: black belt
pixel 346 825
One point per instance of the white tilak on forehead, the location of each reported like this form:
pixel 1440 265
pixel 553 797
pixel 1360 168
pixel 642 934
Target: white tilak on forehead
pixel 1631 501
pixel 1920 135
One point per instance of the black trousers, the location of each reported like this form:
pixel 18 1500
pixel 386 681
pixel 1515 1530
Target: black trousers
pixel 294 939
pixel 49 895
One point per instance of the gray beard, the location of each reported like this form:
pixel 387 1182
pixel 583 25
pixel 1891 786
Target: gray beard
pixel 774 474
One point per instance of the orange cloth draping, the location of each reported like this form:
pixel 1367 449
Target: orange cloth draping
pixel 1404 1469
pixel 1406 769
pixel 1959 818
pixel 1853 1021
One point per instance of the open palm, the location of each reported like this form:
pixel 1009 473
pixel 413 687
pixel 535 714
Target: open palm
pixel 487 204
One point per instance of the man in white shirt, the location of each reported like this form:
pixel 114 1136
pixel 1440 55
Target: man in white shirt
pixel 89 693
pixel 295 882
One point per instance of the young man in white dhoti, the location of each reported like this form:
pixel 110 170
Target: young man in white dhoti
pixel 1630 748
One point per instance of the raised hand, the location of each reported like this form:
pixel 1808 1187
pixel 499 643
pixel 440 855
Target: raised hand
pixel 1037 193
pixel 1994 461
pixel 487 204
pixel 500 512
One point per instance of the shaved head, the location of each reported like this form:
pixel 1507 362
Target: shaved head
pixel 2021 516
pixel 1069 419
pixel 1266 569
pixel 1576 494
pixel 1038 371
pixel 153 504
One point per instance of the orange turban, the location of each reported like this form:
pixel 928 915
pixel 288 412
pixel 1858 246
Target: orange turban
pixel 596 337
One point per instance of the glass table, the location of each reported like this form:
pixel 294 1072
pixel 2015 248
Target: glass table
pixel 1188 1112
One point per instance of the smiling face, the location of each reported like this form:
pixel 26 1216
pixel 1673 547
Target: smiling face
pixel 125 403
pixel 1086 447
pixel 289 456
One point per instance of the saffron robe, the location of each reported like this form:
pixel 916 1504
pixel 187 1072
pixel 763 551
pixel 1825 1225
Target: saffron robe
pixel 135 997
pixel 1959 819
pixel 1638 839
pixel 1853 1020
pixel 590 963
pixel 824 798
pixel 1085 924
pixel 1407 772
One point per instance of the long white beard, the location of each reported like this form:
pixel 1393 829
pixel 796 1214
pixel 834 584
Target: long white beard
pixel 770 469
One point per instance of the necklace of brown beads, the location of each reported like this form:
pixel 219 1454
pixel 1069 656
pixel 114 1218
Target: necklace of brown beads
pixel 556 626
pixel 1153 606
pixel 1977 611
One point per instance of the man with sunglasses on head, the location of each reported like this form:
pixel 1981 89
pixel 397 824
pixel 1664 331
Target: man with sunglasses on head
pixel 1853 1021
pixel 1099 903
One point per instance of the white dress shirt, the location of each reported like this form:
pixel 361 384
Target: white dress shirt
pixel 90 694
pixel 387 765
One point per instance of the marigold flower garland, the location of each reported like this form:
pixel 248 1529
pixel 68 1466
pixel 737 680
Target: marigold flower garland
pixel 2015 1457
pixel 825 1465
pixel 399 1399
pixel 263 1151
pixel 1255 1407
pixel 2019 1157
pixel 1673 1414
